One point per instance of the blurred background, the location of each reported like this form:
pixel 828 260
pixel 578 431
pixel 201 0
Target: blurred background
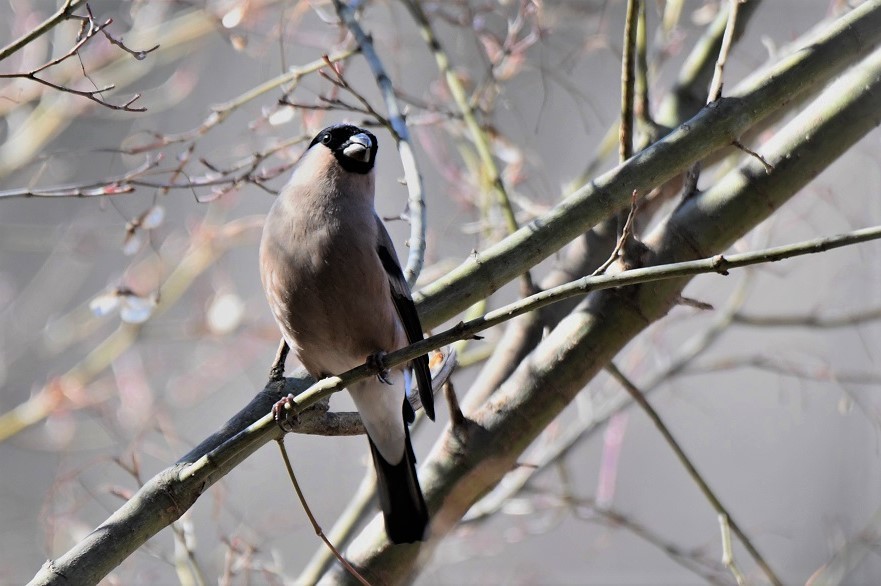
pixel 133 325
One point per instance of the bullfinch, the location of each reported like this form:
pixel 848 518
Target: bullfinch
pixel 337 292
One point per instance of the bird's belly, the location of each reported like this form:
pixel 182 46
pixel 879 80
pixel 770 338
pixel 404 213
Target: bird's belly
pixel 336 313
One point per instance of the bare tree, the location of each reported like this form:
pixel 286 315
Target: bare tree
pixel 161 131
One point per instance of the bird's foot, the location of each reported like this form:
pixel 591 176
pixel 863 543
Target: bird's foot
pixel 285 413
pixel 376 361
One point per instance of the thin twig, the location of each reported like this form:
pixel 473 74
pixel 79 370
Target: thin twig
pixel 187 566
pixel 626 232
pixel 63 13
pixel 343 529
pixel 605 405
pixel 199 257
pixel 246 170
pixel 716 264
pixel 276 372
pixel 808 321
pixel 628 81
pixel 691 469
pixel 642 102
pixel 457 90
pixel 138 54
pixel 416 193
pixel 108 186
pixel 366 107
pixel 90 28
pixel 768 166
pixel 625 124
pixel 191 476
pixel 457 418
pixel 318 530
pixel 727 39
pixel 478 135
pixel 691 560
pixel 728 551
pixel 754 101
pixel 220 112
pixel 789 368
pixel 715 92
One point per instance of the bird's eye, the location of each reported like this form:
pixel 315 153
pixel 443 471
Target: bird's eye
pixel 325 138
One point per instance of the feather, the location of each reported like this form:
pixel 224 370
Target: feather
pixel 407 312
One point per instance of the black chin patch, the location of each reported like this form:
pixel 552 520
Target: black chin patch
pixel 336 138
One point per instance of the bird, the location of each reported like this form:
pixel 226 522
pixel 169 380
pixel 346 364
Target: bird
pixel 337 292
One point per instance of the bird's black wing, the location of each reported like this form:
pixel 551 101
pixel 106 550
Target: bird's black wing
pixel 407 312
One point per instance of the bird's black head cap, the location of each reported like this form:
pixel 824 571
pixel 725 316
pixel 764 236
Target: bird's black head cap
pixel 354 148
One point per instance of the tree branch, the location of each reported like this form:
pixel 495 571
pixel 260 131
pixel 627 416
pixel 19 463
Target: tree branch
pixel 727 39
pixel 465 465
pixel 468 462
pixel 90 28
pixel 62 14
pixel 850 38
pixel 254 426
pixel 416 213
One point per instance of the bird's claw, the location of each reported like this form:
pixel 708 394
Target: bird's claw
pixel 376 361
pixel 285 413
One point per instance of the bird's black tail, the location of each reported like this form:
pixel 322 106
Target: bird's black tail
pixel 400 497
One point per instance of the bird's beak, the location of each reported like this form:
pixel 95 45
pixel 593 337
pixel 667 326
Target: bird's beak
pixel 358 147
